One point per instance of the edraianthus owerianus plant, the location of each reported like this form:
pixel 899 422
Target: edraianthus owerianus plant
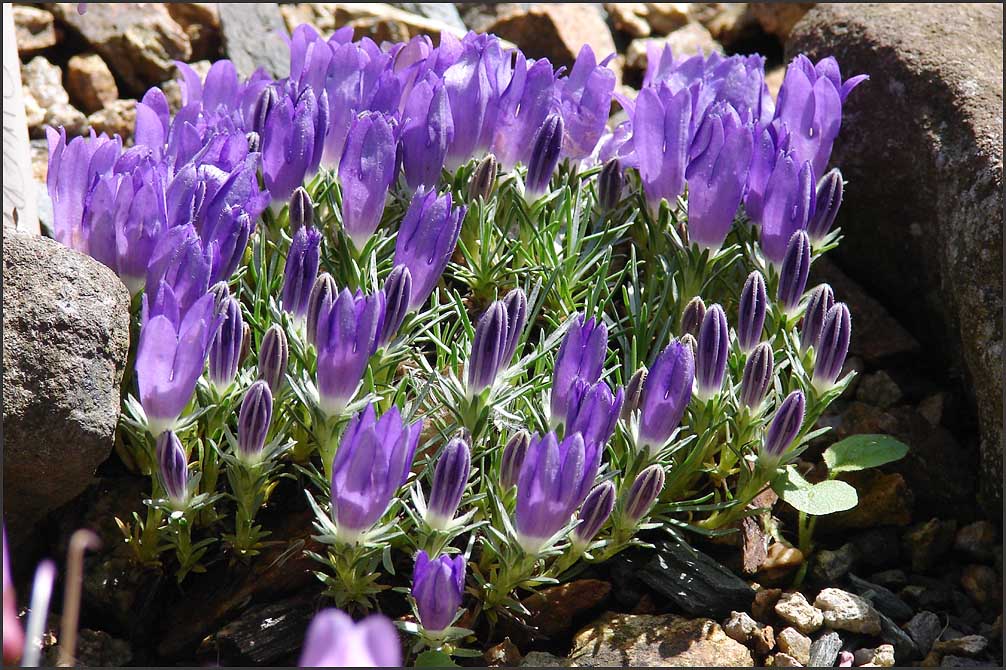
pixel 334 640
pixel 437 587
pixel 581 356
pixel 666 393
pixel 347 334
pixel 426 239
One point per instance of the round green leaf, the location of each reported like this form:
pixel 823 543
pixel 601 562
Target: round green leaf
pixel 825 497
pixel 859 452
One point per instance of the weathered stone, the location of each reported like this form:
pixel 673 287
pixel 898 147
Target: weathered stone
pixel 252 37
pixel 879 389
pixel 139 40
pixel 66 333
pixel 35 30
pixel 443 12
pixel 951 661
pixel 830 566
pixel 778 18
pixel 794 643
pixel 928 542
pixel 877 547
pixel 845 611
pixel 976 540
pixel 46 101
pixel 981 584
pixel 265 635
pixel 556 31
pixel 685 41
pixel 554 609
pixel 892 579
pixel 783 660
pixel 697 584
pixel 881 657
pixel 201 22
pixel 543 659
pixel 666 17
pixel 966 645
pixel 667 640
pixel 764 603
pixel 504 654
pixel 794 609
pixel 824 650
pixel 929 126
pixel 882 599
pixel 118 118
pixel 780 561
pixel 90 83
pixel 904 648
pixel 95 649
pixel 740 626
pixel 629 18
pixel 729 22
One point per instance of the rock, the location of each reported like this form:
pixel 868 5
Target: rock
pixel 831 566
pixel 777 18
pixel 139 40
pixel 824 650
pixel 478 16
pixel 731 23
pixel 753 541
pixel 666 640
pixel 270 634
pixel 976 540
pixel 879 389
pixel 695 583
pixel 251 35
pixel 554 609
pixel 95 649
pixel 951 661
pixel 794 643
pixel 118 118
pixel 740 626
pixel 845 611
pixel 35 30
pixel 904 648
pixel 443 12
pixel 685 41
pixel 629 18
pixel 932 408
pixel 927 543
pixel 928 593
pixel 764 603
pixel 66 334
pixel 201 22
pixel 883 600
pixel 763 640
pixel 967 645
pixel 543 659
pixel 794 609
pixel 890 578
pixel 981 584
pixel 46 101
pixel 934 256
pixel 504 654
pixel 881 657
pixel 783 660
pixel 90 82
pixel 877 547
pixel 555 31
pixel 39 160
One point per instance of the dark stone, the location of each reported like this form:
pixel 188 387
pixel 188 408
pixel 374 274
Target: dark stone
pixel 629 590
pixel 266 635
pixel 883 600
pixel 951 661
pixel 977 540
pixel 877 547
pixel 830 566
pixel 252 37
pixel 95 649
pixel 924 628
pixel 926 544
pixel 922 150
pixel 65 339
pixel 892 579
pixel 554 610
pixel 694 582
pixel 904 648
pixel 824 650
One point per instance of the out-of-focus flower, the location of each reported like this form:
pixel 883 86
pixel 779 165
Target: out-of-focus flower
pixel 751 312
pixel 450 477
pixel 437 586
pixel 643 493
pixel 666 393
pixel 348 328
pixel 829 200
pixel 334 640
pixel 273 358
pixel 13 636
pixel 301 270
pixel 784 427
pixel 610 182
pixel 225 347
pixel 545 152
pixel 832 346
pixel 821 300
pixel 173 466
pixel 585 102
pixel 794 272
pixel 366 171
pixel 581 355
pixel 426 239
pixel 711 357
pixel 253 421
pixel 594 512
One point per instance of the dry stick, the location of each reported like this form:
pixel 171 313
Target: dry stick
pixel 80 541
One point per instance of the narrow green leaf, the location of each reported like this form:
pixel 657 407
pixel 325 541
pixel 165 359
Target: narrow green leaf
pixel 859 452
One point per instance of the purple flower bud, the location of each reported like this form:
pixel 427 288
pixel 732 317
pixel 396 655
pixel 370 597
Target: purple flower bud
pixel 488 347
pixel 829 199
pixel 610 182
pixel 372 463
pixel 397 290
pixel 594 512
pixel 267 100
pixel 347 332
pixel 323 289
pixel 666 393
pixel 593 412
pixel 426 133
pixel 513 458
pixel 174 468
pixel 553 482
pixel 225 348
pixel 757 377
pixel 821 300
pixel 832 347
pixel 334 641
pixel 661 134
pixel 437 587
pixel 643 493
pixel 301 271
pixel 689 341
pixel 711 358
pixel 691 318
pixel 301 210
pixel 633 393
pixel 515 302
pixel 789 203
pixel 581 354
pixel 794 272
pixel 450 477
pixel 426 240
pixel 483 180
pixel 751 312
pixel 784 427
pixel 253 420
pixel 366 171
pixel 273 357
pixel 545 151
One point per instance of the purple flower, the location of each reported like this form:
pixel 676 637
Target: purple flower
pixel 665 396
pixel 515 302
pixel 593 412
pixel 334 641
pixel 294 127
pixel 171 354
pixel 366 171
pixel 301 271
pixel 757 377
pixel 585 103
pixel 711 358
pixel 253 420
pixel 73 168
pixel 473 93
pixel 828 200
pixel 370 466
pixel 716 175
pixel 13 636
pixel 810 105
pixel 661 135
pixel 751 312
pixel 832 347
pixel 347 332
pixel 581 355
pixel 273 357
pixel 437 586
pixel 544 157
pixel 512 460
pixel 426 133
pixel 643 493
pixel 450 477
pixel 180 261
pixel 794 272
pixel 483 179
pixel 769 144
pixel 784 427
pixel 553 482
pixel 426 240
pixel 594 512
pixel 173 467
pixel 397 292
pixel 225 348
pixel 818 306
pixel 788 205
pixel 523 106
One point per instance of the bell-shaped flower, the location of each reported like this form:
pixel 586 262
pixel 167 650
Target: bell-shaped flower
pixel 545 154
pixel 366 171
pixel 643 493
pixel 301 270
pixel 254 418
pixel 397 291
pixel 274 357
pixel 818 305
pixel 427 131
pixel 585 103
pixel 513 459
pixel 593 412
pixel 794 272
pixel 757 377
pixel 523 106
pixel 666 393
pixel 828 202
pixel 173 468
pixel 292 138
pixel 751 311
pixel 437 587
pixel 180 260
pixel 426 240
pixel 593 514
pixel 334 640
pixel 450 477
pixel 347 332
pixel 581 355
pixel 832 347
pixel 783 429
pixel 661 136
pixel 496 336
pixel 788 205
pixel 473 93
pixel 711 356
pixel 225 348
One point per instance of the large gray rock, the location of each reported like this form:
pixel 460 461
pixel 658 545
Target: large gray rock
pixel 253 37
pixel 922 146
pixel 65 340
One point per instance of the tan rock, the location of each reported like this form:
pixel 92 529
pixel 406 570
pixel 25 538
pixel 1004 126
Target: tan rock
pixel 90 82
pixel 553 609
pixel 34 28
pixel 778 18
pixel 629 17
pixel 764 603
pixel 118 118
pixel 667 17
pixel 684 42
pixel 727 21
pixel 846 611
pixel 46 101
pixel 794 609
pixel 981 583
pixel 773 79
pixel 556 31
pixel 794 643
pixel 201 22
pixel 884 500
pixel 784 660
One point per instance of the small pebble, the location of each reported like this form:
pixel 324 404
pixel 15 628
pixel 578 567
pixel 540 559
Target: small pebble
pixel 784 660
pixel 882 599
pixel 881 657
pixel 891 633
pixel 968 645
pixel 794 609
pixel 981 583
pixel 976 540
pixel 740 626
pixel 845 659
pixel 831 566
pixel 951 661
pixel 794 643
pixel 927 543
pixel 764 603
pixel 824 650
pixel 891 579
pixel 845 611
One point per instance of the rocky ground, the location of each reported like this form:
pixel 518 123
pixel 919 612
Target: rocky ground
pixel 913 575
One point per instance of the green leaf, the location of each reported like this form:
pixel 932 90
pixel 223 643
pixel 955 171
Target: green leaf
pixel 434 659
pixel 860 452
pixel 825 497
